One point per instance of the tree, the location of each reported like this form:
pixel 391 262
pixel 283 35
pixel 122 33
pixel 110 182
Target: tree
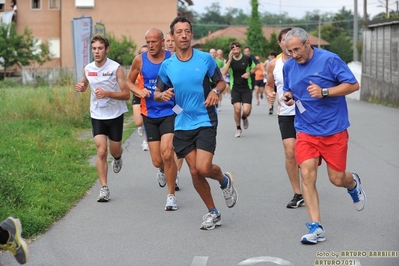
pixel 254 33
pixel 121 51
pixel 20 49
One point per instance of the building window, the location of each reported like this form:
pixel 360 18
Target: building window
pixel 55 47
pixel 54 4
pixel 36 4
pixel 84 3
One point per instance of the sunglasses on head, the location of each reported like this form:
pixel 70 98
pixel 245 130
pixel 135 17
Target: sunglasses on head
pixel 235 46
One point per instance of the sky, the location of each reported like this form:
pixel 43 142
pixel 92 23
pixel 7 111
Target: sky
pixel 296 8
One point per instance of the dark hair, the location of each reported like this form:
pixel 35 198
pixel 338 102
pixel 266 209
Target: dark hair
pixel 247 47
pixel 179 19
pixel 100 38
pixel 280 35
pixel 273 53
pixel 234 43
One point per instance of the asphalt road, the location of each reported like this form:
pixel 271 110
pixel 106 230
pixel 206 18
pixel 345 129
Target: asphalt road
pixel 134 229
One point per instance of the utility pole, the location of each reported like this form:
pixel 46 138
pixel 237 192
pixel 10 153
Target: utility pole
pixel 365 19
pixel 355 33
pixel 318 41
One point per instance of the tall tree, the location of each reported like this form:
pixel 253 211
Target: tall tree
pixel 20 49
pixel 255 37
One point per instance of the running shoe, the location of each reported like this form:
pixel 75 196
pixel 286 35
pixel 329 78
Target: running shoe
pixel 171 203
pixel 211 220
pixel 238 133
pixel 177 186
pixel 271 111
pixel 117 165
pixel 104 194
pixel 144 146
pixel 140 131
pixel 297 201
pixel 161 178
pixel 316 234
pixel 245 123
pixel 15 243
pixel 229 192
pixel 358 195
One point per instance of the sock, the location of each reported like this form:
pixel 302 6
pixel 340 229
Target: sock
pixel 224 183
pixel 238 127
pixel 243 117
pixel 214 210
pixel 171 195
pixel 116 159
pixel 4 236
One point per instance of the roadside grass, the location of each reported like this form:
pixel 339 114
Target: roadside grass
pixel 44 165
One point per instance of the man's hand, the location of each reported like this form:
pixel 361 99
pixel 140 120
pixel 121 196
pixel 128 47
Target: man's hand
pixel 314 90
pixel 288 99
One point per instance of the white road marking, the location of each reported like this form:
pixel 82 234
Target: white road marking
pixel 256 260
pixel 199 261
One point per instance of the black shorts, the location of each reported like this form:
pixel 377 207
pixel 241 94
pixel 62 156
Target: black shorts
pixel 136 100
pixel 286 124
pixel 113 128
pixel 203 138
pixel 241 96
pixel 259 83
pixel 156 127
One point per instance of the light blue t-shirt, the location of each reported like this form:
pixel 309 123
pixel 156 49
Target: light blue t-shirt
pixel 323 116
pixel 191 82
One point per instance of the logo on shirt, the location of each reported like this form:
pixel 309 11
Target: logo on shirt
pixel 107 74
pixel 91 74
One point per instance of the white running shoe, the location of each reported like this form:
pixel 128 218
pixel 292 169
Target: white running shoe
pixel 211 220
pixel 229 192
pixel 140 131
pixel 144 146
pixel 238 133
pixel 117 165
pixel 171 203
pixel 245 123
pixel 177 185
pixel 161 178
pixel 104 194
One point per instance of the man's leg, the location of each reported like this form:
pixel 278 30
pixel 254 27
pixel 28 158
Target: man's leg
pixel 293 172
pixel 200 183
pixel 309 190
pixel 237 114
pixel 101 160
pixel 169 163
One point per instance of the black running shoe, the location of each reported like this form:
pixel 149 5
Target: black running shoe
pixel 297 201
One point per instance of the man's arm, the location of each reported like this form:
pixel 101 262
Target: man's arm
pixel 134 72
pixel 270 83
pixel 124 94
pixel 82 86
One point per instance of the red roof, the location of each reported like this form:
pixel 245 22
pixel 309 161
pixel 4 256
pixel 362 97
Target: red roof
pixel 238 32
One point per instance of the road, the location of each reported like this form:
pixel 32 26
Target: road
pixel 134 229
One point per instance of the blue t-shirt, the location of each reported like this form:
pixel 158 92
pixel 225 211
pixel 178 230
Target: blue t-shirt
pixel 322 116
pixel 191 82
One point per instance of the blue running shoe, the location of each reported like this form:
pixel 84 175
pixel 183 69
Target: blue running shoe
pixel 358 195
pixel 316 234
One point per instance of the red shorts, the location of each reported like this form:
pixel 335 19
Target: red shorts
pixel 333 149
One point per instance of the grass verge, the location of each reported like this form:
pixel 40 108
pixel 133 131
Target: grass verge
pixel 44 166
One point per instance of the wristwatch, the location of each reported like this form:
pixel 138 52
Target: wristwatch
pixel 324 92
pixel 216 91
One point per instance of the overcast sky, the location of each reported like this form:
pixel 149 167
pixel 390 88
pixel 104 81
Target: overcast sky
pixel 296 8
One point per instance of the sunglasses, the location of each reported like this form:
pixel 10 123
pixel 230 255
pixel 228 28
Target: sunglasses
pixel 235 46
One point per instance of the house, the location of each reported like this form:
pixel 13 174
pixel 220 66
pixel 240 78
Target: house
pixel 239 32
pixel 50 20
pixel 380 67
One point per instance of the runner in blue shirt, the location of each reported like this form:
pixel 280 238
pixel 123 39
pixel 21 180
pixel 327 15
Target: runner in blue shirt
pixel 186 76
pixel 317 81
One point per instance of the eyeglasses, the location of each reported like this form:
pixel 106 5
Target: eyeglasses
pixel 296 50
pixel 235 46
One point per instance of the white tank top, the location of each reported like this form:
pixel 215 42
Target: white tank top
pixel 104 77
pixel 283 109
